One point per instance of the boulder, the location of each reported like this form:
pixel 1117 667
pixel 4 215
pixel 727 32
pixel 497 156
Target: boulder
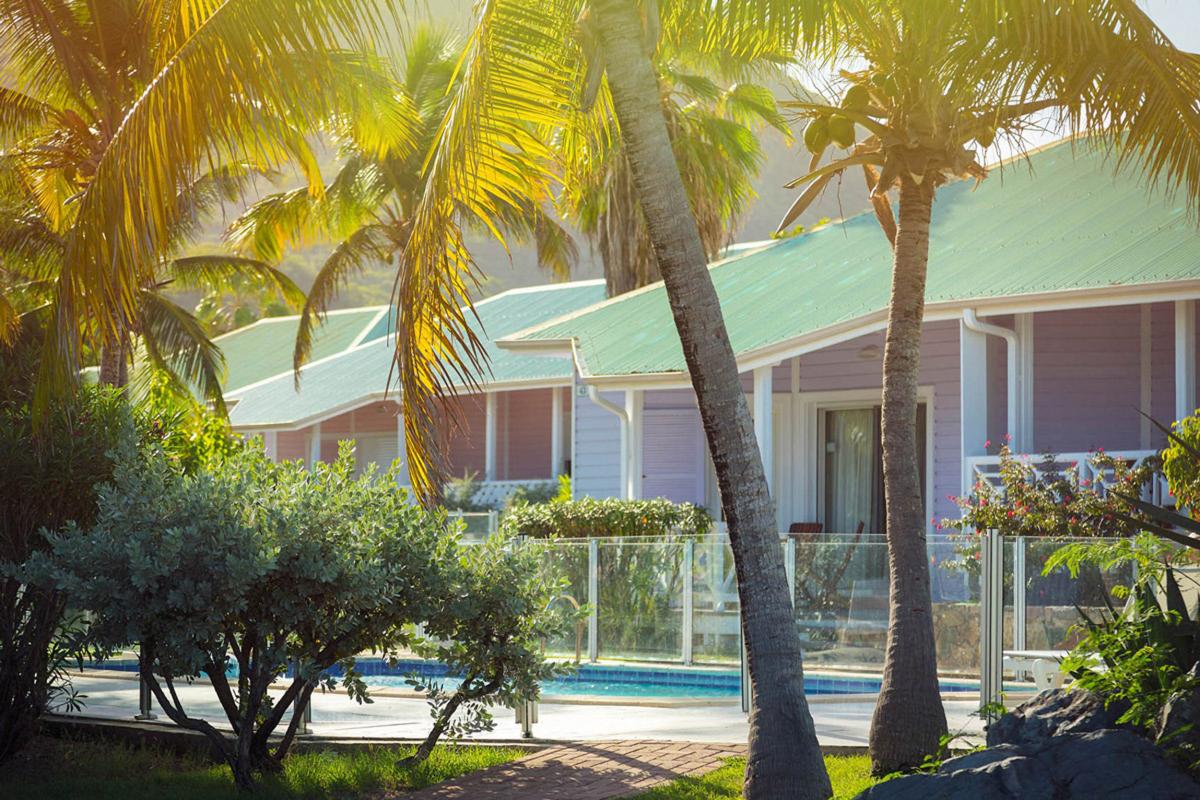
pixel 1097 765
pixel 1052 713
pixel 1178 724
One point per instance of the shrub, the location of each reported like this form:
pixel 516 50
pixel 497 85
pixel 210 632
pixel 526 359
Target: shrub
pixel 48 477
pixel 611 517
pixel 246 567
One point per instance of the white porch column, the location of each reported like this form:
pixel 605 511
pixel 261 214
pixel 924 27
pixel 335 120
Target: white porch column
pixel 489 441
pixel 973 396
pixel 556 431
pixel 314 445
pixel 634 399
pixel 1022 441
pixel 1185 358
pixel 763 407
pixel 271 444
pixel 401 451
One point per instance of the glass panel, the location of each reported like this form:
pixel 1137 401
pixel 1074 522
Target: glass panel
pixel 640 610
pixel 841 600
pixel 716 633
pixel 569 559
pixel 954 572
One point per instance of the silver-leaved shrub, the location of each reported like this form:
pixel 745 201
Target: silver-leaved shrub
pixel 244 568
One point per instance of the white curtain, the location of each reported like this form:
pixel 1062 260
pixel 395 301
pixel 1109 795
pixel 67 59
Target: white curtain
pixel 850 469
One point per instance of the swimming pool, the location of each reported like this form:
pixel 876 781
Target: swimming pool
pixel 620 680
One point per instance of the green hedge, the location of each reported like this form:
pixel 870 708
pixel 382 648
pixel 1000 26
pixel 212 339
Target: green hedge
pixel 600 518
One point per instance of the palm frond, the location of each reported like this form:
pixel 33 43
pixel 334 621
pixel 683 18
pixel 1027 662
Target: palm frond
pixel 175 343
pixel 242 77
pixel 516 82
pixel 223 271
pixel 370 243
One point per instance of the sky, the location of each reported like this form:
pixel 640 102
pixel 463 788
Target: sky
pixel 1179 19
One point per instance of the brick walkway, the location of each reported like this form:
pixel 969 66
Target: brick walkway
pixel 585 771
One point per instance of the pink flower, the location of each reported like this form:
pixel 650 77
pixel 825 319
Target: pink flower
pixel 988 443
pixel 1008 437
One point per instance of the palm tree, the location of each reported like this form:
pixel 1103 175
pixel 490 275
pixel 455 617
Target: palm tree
pixel 935 84
pixel 113 109
pixel 522 78
pixel 714 109
pixel 367 207
pixel 165 334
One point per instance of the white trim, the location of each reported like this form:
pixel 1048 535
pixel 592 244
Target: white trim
pixel 402 452
pixel 1022 441
pixel 973 369
pixel 634 403
pixel 1146 376
pixel 271 444
pixel 556 431
pixel 1185 358
pixel 314 445
pixel 489 437
pixel 370 327
pixel 763 405
pixel 808 422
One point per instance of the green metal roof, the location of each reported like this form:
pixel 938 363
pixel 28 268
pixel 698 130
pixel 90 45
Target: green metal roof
pixel 360 374
pixel 264 349
pixel 1070 225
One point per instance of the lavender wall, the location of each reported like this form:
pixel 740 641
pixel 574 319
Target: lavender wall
pixel 596 465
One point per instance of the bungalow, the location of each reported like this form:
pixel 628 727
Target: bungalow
pixel 1061 301
pixel 515 432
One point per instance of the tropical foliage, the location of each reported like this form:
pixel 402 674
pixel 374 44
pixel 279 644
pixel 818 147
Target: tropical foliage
pixel 933 86
pixel 714 110
pixel 368 206
pixel 267 566
pixel 172 341
pixel 47 479
pixel 110 121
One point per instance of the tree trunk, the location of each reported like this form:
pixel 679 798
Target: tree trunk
pixel 909 719
pixel 784 759
pixel 114 367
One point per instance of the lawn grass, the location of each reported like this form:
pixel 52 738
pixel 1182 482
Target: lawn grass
pixel 53 769
pixel 849 774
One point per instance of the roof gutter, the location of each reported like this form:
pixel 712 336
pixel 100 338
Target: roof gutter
pixel 623 416
pixel 972 321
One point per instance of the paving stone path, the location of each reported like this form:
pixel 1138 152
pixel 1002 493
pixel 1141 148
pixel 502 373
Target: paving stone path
pixel 585 771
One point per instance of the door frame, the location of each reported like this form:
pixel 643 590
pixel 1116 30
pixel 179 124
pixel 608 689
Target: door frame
pixel 807 461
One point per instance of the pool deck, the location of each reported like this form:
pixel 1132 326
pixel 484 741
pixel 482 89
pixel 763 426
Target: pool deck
pixel 839 722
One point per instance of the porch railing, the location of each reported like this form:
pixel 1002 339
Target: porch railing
pixel 987 469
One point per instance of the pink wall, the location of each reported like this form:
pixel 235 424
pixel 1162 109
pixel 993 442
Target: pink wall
pixel 292 445
pixel 523 434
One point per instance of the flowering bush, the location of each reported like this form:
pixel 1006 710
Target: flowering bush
pixel 610 517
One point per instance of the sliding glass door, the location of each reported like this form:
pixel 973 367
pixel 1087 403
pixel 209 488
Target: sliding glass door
pixel 852 468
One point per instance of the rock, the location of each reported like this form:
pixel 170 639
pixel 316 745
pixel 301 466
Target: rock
pixel 1050 713
pixel 1097 765
pixel 1179 721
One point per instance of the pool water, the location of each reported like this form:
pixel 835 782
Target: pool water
pixel 610 680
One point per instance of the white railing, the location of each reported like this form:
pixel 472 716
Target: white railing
pixel 987 469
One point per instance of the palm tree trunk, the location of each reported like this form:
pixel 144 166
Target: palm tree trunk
pixel 113 369
pixel 909 719
pixel 784 758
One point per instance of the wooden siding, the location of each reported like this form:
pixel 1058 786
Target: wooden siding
pixel 596 465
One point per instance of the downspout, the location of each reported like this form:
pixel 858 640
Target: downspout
pixel 1010 336
pixel 623 416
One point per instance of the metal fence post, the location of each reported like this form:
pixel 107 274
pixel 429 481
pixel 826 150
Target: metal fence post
pixel 145 699
pixel 991 619
pixel 689 560
pixel 1019 583
pixel 593 588
pixel 789 566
